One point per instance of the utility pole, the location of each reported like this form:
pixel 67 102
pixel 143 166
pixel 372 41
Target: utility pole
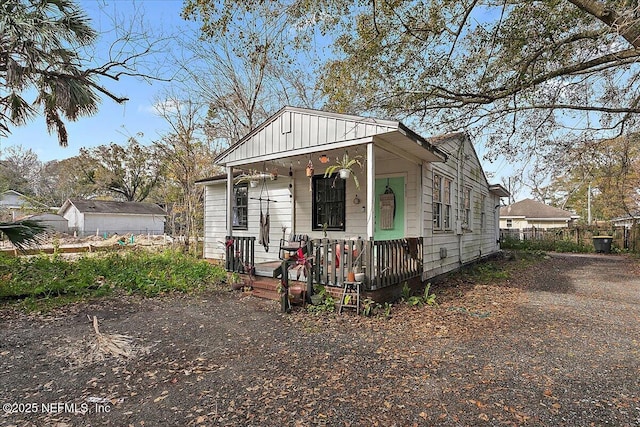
pixel 589 205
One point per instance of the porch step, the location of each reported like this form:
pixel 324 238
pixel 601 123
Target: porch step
pixel 268 289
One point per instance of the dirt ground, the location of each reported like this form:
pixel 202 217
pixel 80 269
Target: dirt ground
pixel 558 344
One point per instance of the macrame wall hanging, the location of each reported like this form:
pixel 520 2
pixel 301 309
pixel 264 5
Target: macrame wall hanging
pixel 387 208
pixel 265 221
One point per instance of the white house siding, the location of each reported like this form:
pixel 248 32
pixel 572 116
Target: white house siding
pixel 520 223
pixel 52 221
pixel 9 199
pixel 215 220
pixel 123 224
pixel 75 219
pixel 297 130
pixel 216 214
pixel 474 241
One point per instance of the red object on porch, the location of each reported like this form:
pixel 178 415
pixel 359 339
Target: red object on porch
pixel 354 254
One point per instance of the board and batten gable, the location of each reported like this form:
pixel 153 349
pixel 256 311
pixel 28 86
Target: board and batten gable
pixel 447 249
pixel 295 130
pixel 215 215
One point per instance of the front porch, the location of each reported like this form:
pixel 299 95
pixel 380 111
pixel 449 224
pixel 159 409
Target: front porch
pixel 332 262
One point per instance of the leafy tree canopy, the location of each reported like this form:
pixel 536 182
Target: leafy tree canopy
pixel 609 168
pixel 127 173
pixel 532 77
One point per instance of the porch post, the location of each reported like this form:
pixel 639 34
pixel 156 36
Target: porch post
pixel 229 201
pixel 371 190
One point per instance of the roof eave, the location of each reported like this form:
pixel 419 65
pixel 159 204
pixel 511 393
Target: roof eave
pixel 441 155
pixel 499 190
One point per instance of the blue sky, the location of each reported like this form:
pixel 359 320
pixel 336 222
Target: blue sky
pixel 117 122
pixel 113 122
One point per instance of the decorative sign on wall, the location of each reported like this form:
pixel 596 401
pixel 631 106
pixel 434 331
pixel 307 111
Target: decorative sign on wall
pixel 387 209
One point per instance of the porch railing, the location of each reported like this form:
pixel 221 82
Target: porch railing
pixel 384 263
pixel 334 259
pixel 240 253
pixel 395 261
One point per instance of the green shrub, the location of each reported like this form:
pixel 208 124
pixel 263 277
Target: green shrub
pixel 326 302
pixel 425 298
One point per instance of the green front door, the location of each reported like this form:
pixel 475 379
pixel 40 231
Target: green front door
pixel 389 208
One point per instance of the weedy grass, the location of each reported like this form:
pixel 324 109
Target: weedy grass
pixel 47 281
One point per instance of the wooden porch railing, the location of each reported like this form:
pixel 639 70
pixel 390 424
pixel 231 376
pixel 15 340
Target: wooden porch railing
pixel 384 263
pixel 240 253
pixel 334 259
pixel 395 261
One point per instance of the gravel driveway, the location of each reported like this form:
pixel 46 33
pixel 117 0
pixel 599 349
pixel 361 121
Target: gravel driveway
pixel 557 344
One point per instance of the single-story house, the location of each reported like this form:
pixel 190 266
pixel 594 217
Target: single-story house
pixel 626 221
pixel 417 207
pixel 111 217
pixel 15 204
pixel 530 213
pixel 52 221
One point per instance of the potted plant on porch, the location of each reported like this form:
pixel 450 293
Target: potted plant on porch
pixel 358 276
pixel 252 177
pixel 344 167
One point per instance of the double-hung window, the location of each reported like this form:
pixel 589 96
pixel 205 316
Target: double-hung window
pixel 328 209
pixel 447 184
pixel 437 202
pixel 467 207
pixel 442 196
pixel 240 206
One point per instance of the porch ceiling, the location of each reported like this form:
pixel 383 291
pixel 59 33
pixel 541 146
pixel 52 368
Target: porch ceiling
pixel 390 144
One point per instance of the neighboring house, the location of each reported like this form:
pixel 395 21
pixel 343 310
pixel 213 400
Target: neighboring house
pixel 424 206
pixel 52 221
pixel 529 213
pixel 101 216
pixel 627 221
pixel 15 204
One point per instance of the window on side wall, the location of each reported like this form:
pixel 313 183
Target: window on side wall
pixel 437 202
pixel 467 207
pixel 328 206
pixel 509 223
pixel 240 206
pixel 447 187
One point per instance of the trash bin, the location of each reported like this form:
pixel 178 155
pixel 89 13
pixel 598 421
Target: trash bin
pixel 602 244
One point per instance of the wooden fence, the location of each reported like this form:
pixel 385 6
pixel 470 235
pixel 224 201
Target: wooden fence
pixel 623 238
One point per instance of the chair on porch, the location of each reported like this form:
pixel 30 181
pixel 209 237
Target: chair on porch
pixel 291 245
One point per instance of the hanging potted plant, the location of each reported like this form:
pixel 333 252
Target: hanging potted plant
pixel 309 169
pixel 344 167
pixel 252 177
